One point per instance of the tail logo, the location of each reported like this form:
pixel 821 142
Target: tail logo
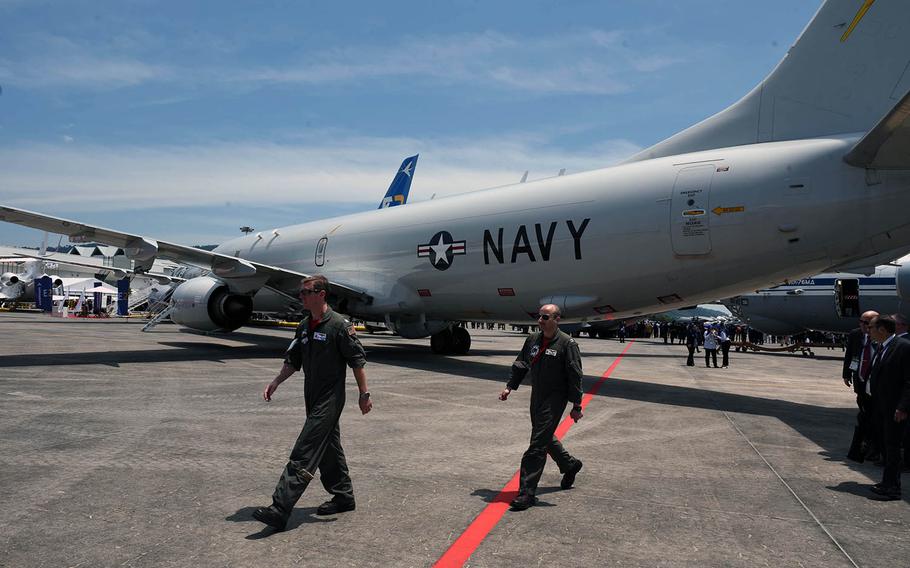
pixel 441 250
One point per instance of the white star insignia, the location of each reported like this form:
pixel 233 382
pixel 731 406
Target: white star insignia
pixel 441 248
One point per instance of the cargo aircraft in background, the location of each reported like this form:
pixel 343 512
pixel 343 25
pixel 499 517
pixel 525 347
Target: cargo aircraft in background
pixel 827 302
pixel 808 172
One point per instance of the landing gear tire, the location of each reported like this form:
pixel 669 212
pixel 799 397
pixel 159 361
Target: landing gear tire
pixel 461 341
pixel 441 343
pixel 452 341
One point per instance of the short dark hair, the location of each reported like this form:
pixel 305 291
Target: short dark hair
pixel 319 281
pixel 884 322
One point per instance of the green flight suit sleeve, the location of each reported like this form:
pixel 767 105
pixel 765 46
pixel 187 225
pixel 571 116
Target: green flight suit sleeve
pixel 573 371
pixel 350 347
pixel 293 356
pixel 521 365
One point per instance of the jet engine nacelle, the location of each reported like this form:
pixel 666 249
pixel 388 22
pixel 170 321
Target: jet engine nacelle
pixel 415 328
pixel 8 279
pixel 903 282
pixel 207 304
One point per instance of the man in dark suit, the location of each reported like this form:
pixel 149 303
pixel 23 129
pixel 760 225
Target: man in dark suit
pixel 857 364
pixel 890 382
pixel 902 325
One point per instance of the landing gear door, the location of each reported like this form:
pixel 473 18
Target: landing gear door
pixel 846 297
pixel 689 214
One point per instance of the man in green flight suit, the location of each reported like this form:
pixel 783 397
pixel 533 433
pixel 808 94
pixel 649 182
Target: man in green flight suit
pixel 324 344
pixel 552 359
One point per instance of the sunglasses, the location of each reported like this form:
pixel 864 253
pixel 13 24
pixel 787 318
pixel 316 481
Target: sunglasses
pixel 306 292
pixel 545 317
pixel 867 322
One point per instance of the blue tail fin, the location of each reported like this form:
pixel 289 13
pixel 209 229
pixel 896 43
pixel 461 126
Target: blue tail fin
pixel 398 191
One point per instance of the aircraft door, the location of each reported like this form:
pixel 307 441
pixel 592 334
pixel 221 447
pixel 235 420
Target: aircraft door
pixel 846 297
pixel 689 213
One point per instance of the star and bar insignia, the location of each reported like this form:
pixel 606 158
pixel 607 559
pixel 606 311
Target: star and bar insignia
pixel 441 250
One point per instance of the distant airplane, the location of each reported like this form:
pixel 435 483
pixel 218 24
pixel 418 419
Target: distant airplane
pixel 808 172
pixel 18 284
pixel 401 184
pixel 828 301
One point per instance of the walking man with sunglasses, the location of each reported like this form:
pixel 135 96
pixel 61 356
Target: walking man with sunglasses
pixel 324 345
pixel 552 359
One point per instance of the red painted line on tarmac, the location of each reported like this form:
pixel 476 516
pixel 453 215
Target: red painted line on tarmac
pixel 462 549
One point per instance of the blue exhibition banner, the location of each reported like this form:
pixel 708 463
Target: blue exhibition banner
pixel 44 288
pixel 97 306
pixel 123 297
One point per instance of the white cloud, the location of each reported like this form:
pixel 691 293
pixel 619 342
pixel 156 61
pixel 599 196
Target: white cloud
pixel 348 170
pixel 55 61
pixel 584 61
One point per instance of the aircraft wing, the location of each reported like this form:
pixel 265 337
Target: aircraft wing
pixel 144 250
pixel 160 277
pixel 99 268
pixel 887 145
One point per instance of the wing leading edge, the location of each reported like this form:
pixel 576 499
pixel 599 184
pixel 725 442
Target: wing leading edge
pixel 144 251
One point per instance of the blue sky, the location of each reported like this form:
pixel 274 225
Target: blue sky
pixel 184 121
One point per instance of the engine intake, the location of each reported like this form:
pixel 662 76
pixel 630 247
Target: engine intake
pixel 207 304
pixel 9 279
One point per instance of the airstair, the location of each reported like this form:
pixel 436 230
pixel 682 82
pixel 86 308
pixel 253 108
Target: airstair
pixel 160 311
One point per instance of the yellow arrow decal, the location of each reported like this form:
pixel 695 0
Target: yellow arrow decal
pixel 722 210
pixel 859 16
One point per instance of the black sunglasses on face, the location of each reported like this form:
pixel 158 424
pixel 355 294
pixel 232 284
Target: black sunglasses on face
pixel 306 292
pixel 545 317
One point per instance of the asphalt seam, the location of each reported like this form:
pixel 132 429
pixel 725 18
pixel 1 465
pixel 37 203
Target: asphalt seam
pixel 790 489
pixel 742 434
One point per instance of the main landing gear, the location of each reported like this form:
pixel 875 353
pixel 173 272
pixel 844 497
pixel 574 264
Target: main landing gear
pixel 451 341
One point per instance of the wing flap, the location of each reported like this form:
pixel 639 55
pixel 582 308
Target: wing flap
pixel 887 145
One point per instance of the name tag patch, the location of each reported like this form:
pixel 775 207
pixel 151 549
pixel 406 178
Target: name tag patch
pixel 318 336
pixel 550 352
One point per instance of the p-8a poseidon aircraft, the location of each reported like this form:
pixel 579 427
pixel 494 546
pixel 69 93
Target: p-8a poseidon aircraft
pixel 807 172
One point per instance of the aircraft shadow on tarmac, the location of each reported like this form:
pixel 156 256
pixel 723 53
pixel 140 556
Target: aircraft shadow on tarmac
pixel 264 348
pixel 829 428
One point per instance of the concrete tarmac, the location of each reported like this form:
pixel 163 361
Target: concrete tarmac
pixel 127 449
